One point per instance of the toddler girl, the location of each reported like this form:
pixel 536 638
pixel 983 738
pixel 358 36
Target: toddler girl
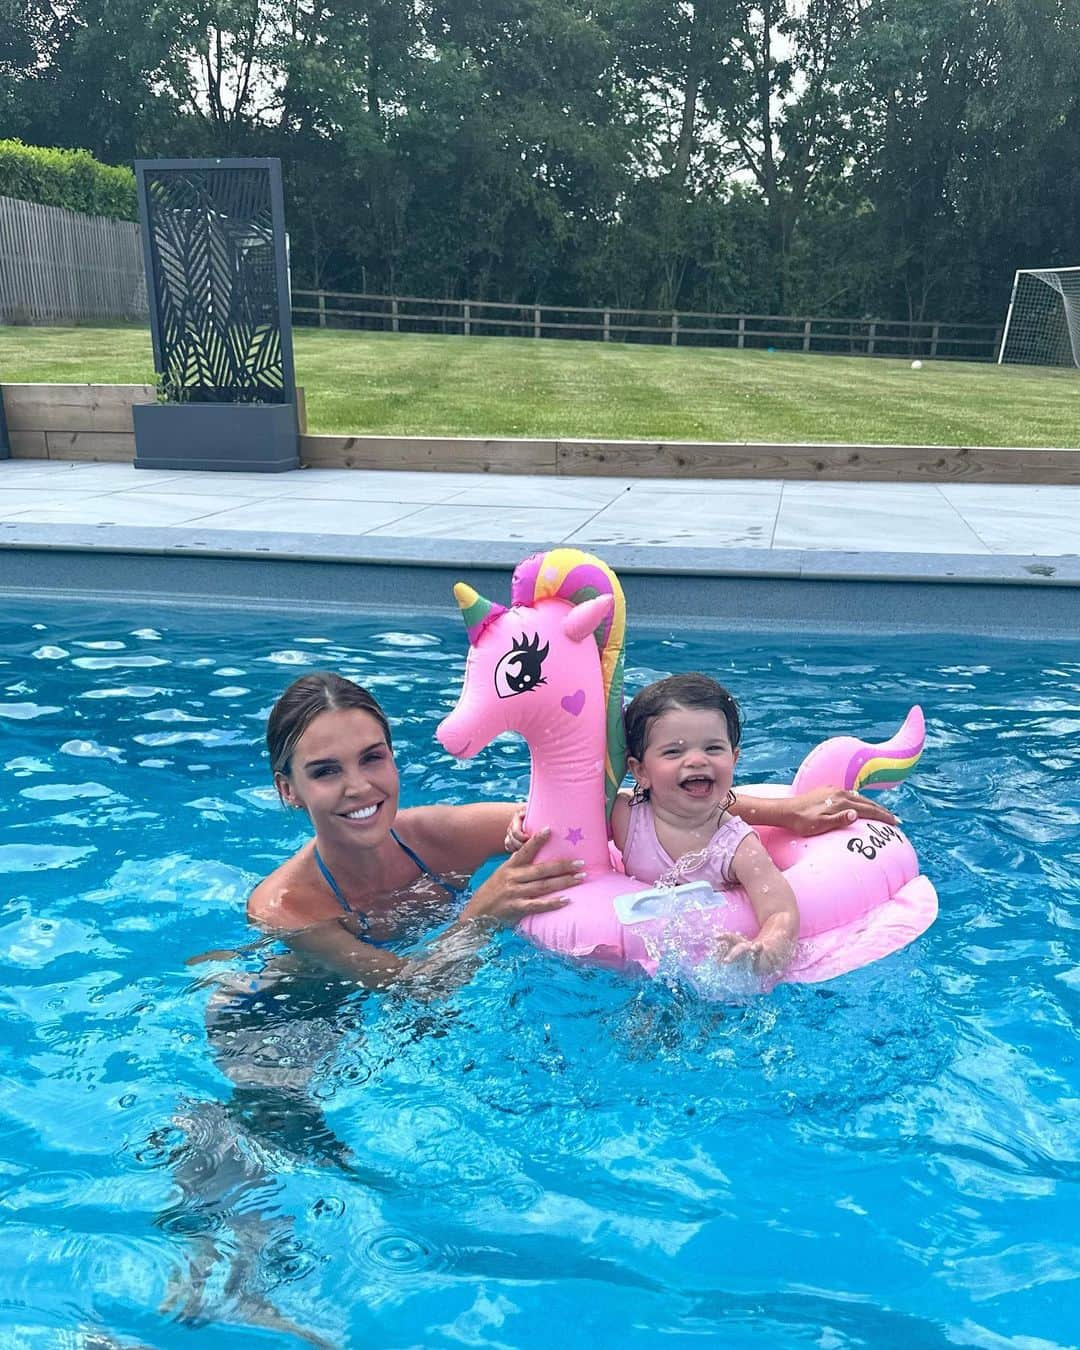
pixel 683 822
pixel 682 736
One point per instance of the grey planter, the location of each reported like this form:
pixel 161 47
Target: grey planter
pixel 253 437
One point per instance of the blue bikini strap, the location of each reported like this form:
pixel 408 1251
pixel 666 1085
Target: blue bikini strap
pixel 328 877
pixel 359 914
pixel 454 892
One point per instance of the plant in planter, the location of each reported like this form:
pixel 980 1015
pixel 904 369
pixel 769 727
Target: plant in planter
pixel 214 244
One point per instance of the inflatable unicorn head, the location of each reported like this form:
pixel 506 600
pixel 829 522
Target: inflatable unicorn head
pixel 551 668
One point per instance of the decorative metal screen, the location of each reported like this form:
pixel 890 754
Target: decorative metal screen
pixel 217 277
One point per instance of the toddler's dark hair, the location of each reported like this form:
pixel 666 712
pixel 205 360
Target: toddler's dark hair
pixel 678 691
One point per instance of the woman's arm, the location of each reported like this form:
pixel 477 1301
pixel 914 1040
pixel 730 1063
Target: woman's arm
pixel 775 909
pixel 458 838
pixel 517 888
pixel 813 812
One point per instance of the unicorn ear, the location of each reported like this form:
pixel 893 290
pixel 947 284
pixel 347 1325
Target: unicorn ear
pixel 584 619
pixel 475 610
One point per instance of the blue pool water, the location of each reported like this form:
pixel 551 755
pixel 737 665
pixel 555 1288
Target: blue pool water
pixel 553 1155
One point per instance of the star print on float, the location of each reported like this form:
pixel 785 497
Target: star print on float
pixel 519 670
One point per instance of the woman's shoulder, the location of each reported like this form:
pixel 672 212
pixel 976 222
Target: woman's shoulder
pixel 455 838
pixel 289 896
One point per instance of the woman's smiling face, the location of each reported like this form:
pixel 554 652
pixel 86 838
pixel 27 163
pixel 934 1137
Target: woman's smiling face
pixel 343 774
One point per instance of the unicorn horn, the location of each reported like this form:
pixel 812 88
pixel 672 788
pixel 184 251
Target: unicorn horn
pixel 475 610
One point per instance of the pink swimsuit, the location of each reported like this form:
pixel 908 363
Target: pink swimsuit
pixel 646 858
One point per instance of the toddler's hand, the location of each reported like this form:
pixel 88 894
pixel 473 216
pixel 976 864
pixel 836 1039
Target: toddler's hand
pixel 763 957
pixel 515 832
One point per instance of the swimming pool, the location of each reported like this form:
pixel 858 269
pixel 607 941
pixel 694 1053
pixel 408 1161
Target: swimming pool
pixel 553 1155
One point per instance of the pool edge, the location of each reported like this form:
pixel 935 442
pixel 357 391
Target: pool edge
pixel 745 588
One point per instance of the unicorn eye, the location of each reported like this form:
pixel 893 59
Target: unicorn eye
pixel 519 669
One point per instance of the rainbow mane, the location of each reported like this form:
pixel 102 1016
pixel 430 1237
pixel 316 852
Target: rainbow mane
pixel 569 574
pixel 876 770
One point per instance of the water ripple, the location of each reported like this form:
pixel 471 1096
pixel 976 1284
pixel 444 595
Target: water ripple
pixel 398 1252
pixel 26 712
pixel 65 792
pixel 133 661
pixel 41 857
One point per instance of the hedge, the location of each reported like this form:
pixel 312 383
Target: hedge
pixel 71 178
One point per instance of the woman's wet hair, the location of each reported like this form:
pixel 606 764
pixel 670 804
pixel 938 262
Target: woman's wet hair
pixel 303 701
pixel 678 691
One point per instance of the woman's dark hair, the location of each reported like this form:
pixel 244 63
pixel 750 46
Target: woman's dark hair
pixel 678 691
pixel 302 702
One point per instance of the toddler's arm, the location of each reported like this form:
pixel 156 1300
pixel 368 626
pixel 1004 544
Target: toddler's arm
pixel 620 820
pixel 774 907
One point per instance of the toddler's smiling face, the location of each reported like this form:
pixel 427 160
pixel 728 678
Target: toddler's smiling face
pixel 689 762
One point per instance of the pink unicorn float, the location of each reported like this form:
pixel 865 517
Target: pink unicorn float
pixel 551 668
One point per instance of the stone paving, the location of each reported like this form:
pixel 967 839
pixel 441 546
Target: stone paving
pixel 593 513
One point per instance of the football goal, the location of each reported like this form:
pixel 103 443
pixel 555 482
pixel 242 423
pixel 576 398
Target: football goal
pixel 1042 327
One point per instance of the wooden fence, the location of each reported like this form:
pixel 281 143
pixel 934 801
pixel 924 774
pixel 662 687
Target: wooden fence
pixel 59 266
pixel 935 340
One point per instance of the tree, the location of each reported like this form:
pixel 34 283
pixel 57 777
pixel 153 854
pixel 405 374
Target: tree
pixel 848 156
pixel 777 100
pixel 738 93
pixel 962 114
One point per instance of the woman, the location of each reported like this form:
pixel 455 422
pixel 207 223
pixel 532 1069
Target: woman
pixel 375 874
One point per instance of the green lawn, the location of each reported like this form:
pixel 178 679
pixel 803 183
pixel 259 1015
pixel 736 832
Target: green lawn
pixel 382 383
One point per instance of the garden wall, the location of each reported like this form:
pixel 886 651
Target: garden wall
pixel 93 422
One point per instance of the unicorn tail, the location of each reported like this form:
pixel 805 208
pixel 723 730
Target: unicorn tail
pixel 846 762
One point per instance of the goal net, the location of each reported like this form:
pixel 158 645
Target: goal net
pixel 1042 327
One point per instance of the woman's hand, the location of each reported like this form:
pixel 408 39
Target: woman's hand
pixel 515 831
pixel 520 886
pixel 828 808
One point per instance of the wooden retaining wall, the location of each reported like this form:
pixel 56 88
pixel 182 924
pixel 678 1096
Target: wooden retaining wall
pixel 79 421
pixel 93 422
pixel 695 459
pixel 73 421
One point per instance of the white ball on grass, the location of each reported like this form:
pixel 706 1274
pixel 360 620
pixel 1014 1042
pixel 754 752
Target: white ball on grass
pixel 916 365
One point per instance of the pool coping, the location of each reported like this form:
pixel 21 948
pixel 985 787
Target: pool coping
pixel 805 564
pixel 791 589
